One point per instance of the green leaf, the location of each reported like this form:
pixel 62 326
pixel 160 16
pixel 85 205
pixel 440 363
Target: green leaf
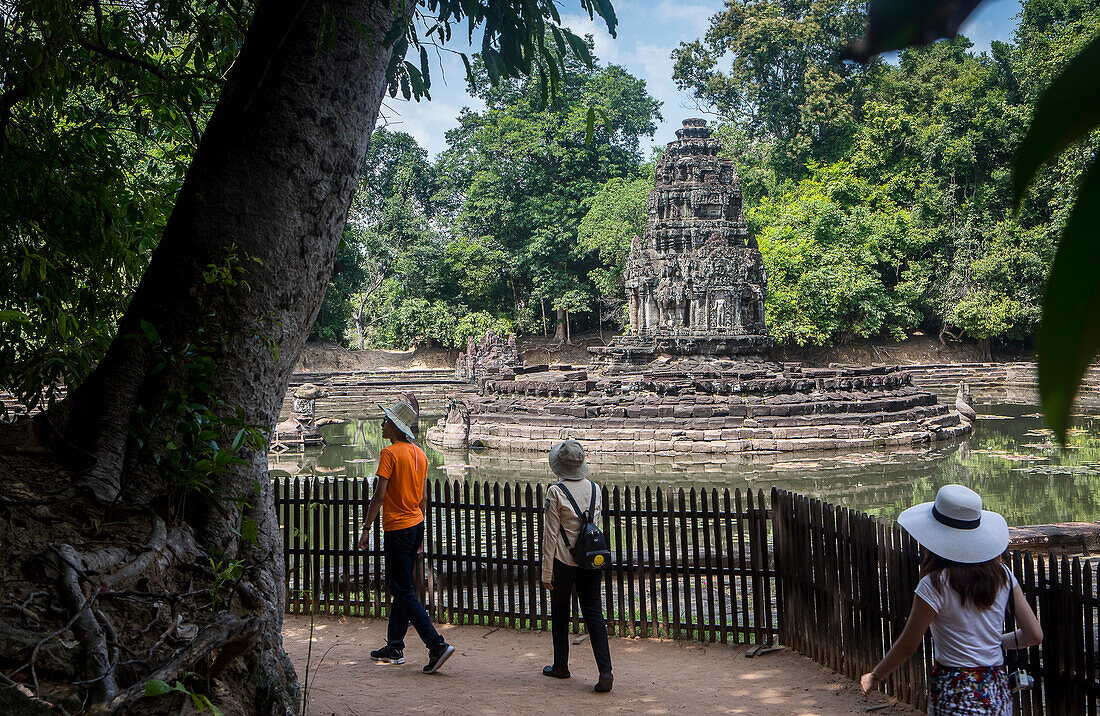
pixel 416 80
pixel 590 126
pixel 250 531
pixel 607 12
pixel 1067 112
pixel 492 65
pixel 559 40
pixel 579 47
pixel 470 77
pixel 156 687
pixel 543 89
pixel 605 118
pixel 897 24
pixel 424 67
pixel 150 332
pixel 1069 336
pixel 13 317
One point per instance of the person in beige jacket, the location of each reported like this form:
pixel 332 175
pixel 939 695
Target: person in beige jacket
pixel 560 573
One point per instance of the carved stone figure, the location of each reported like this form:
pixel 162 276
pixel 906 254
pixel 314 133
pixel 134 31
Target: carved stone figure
pixel 493 355
pixel 964 404
pixel 301 428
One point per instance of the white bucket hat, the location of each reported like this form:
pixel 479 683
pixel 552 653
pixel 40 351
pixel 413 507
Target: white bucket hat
pixel 956 527
pixel 403 416
pixel 567 460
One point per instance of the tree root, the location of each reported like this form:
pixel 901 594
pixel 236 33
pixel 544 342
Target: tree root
pixel 99 599
pixel 222 633
pixel 97 660
pixel 154 550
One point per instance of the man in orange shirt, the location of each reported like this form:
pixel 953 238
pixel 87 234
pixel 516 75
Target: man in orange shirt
pixel 401 494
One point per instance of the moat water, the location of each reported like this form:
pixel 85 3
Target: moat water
pixel 1011 460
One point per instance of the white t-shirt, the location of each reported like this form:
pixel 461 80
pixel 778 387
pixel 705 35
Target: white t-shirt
pixel 965 636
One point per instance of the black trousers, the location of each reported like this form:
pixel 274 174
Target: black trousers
pixel 587 583
pixel 400 548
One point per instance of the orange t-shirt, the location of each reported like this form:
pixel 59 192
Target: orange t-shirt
pixel 406 467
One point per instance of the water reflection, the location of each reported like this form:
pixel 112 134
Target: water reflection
pixel 1010 460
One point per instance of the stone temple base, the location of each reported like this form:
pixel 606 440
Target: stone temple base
pixel 639 350
pixel 700 406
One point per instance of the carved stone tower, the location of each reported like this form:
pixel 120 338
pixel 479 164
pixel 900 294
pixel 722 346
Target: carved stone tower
pixel 695 281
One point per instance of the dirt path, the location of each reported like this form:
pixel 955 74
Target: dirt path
pixel 499 673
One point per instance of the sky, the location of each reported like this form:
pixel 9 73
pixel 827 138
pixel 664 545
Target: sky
pixel 648 31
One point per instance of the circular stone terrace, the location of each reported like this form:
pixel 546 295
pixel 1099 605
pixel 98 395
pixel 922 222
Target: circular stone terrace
pixel 698 406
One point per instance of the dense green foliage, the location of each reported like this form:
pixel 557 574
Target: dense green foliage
pixel 489 236
pixel 101 109
pixel 882 195
pixel 99 115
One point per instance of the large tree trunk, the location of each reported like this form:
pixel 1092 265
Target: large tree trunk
pixel 268 192
pixel 559 331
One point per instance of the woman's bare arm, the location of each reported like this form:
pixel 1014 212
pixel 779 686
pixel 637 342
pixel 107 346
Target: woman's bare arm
pixel 907 643
pixel 1029 632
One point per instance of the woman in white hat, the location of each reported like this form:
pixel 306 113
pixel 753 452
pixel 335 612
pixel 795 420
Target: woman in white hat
pixel 962 595
pixel 560 574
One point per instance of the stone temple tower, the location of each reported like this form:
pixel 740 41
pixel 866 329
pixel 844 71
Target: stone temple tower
pixel 695 280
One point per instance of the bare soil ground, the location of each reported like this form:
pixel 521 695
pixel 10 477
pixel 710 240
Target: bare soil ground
pixel 333 358
pixel 918 348
pixel 499 672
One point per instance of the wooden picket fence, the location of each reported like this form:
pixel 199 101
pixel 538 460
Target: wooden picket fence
pixel 687 564
pixel 846 582
pixel 706 565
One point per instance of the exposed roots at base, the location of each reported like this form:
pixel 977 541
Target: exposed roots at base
pixel 100 606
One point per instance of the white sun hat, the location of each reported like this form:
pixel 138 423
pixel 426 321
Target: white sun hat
pixel 956 527
pixel 567 460
pixel 403 416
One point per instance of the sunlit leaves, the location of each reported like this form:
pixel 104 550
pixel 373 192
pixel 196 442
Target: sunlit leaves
pixel 1067 112
pixel 519 39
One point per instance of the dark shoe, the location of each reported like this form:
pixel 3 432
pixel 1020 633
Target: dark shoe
pixel 555 671
pixel 604 684
pixel 388 655
pixel 436 658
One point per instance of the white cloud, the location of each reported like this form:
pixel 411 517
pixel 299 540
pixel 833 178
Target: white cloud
pixel 427 121
pixel 692 19
pixel 607 47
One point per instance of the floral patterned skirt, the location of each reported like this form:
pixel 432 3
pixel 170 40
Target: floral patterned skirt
pixel 976 691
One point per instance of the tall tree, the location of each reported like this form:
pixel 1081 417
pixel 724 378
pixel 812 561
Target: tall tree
pixel 160 451
pixel 786 84
pixel 523 170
